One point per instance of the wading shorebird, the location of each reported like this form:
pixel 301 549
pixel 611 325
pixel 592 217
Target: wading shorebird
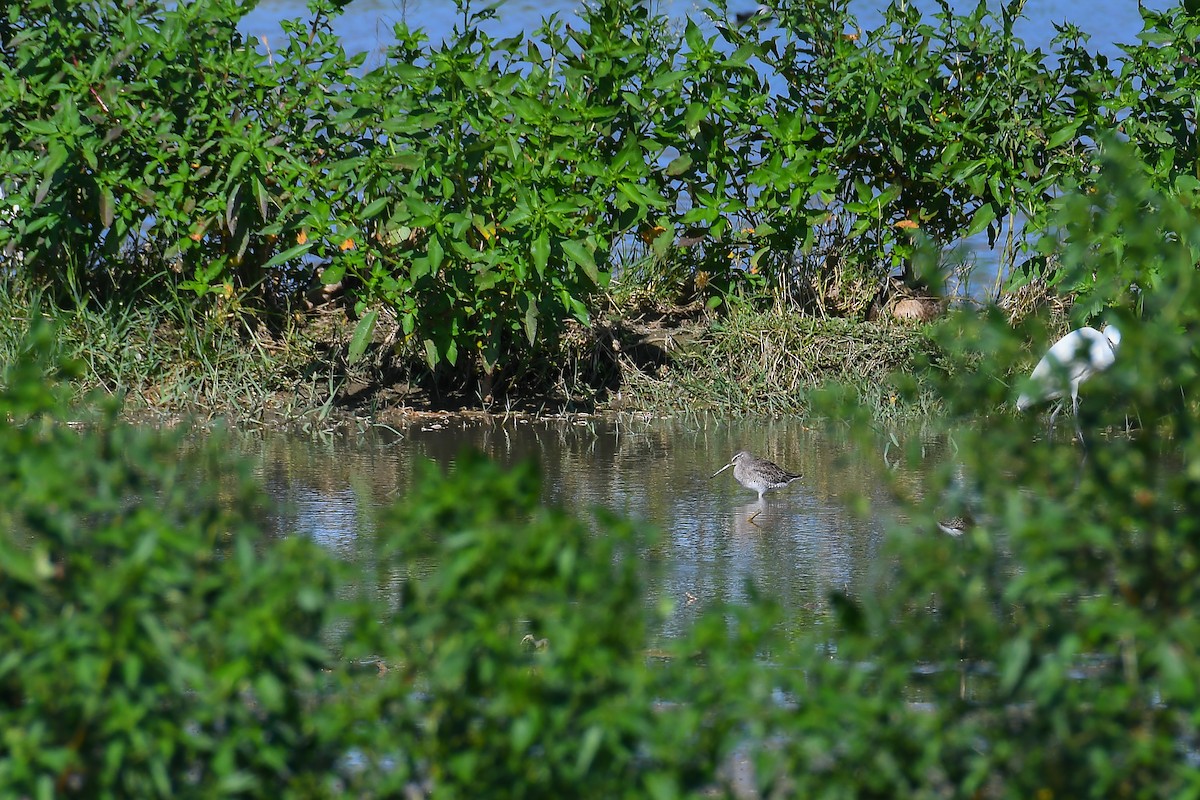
pixel 757 473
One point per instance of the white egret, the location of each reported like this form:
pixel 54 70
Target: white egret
pixel 1070 361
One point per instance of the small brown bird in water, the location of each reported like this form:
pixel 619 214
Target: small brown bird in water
pixel 757 473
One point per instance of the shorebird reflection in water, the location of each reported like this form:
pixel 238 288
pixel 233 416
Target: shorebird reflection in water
pixel 757 473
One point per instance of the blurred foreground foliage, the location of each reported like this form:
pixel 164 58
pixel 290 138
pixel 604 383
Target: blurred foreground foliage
pixel 155 643
pixel 1056 639
pixel 150 645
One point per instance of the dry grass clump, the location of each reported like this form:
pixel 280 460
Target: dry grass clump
pixel 1035 297
pixel 769 362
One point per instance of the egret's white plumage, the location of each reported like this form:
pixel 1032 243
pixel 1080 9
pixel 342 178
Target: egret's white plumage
pixel 1070 361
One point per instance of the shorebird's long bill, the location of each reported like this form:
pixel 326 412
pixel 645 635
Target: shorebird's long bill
pixel 722 469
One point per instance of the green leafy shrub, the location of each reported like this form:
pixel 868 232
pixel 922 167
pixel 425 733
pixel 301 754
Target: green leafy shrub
pixel 153 644
pixel 497 191
pixel 1154 95
pixel 144 138
pixel 946 126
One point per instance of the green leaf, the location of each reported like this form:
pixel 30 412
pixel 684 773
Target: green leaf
pixel 1062 136
pixel 679 165
pixel 582 256
pixel 1187 183
pixel 235 167
pixel 531 317
pixel 373 208
pixel 886 197
pixel 198 287
pixel 435 252
pixel 290 254
pixel 641 195
pixel 825 182
pixel 362 336
pixel 1015 662
pixel 662 244
pixel 667 80
pixel 587 751
pixel 260 194
pixel 40 127
pixel 231 208
pixel 486 278
pixel 106 207
pixel 540 250
pixel 983 217
pixel 431 354
pixel 334 272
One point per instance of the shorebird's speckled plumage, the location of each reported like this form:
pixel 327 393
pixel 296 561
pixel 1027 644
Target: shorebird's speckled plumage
pixel 756 473
pixel 957 525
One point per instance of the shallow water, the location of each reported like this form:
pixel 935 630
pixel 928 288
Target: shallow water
pixel 803 544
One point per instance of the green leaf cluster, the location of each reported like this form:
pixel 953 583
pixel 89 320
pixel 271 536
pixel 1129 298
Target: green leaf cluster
pixel 145 143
